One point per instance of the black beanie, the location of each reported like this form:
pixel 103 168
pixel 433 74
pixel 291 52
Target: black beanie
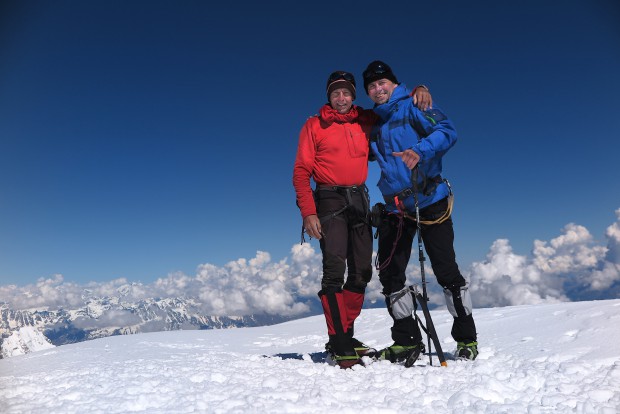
pixel 377 70
pixel 340 79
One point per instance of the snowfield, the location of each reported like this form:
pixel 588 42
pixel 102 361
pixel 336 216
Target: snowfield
pixel 544 358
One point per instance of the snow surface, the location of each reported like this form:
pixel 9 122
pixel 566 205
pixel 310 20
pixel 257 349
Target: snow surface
pixel 562 357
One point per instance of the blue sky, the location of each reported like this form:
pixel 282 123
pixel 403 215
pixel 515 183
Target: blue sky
pixel 143 138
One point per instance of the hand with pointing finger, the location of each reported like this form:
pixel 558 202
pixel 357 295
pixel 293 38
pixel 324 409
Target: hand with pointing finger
pixel 409 157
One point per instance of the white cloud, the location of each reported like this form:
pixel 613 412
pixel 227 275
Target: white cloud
pixel 109 318
pixel 605 277
pixel 569 252
pixel 569 267
pixel 506 278
pixel 52 293
pixel 613 245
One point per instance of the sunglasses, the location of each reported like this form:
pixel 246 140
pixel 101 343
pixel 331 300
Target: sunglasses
pixel 375 70
pixel 341 75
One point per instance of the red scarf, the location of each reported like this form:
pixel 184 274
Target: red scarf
pixel 330 115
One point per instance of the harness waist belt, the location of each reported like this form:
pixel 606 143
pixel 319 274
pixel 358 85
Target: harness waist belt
pixel 429 187
pixel 341 188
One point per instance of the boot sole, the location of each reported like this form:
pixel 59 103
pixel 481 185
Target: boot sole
pixel 413 357
pixel 349 363
pixel 365 352
pixel 408 360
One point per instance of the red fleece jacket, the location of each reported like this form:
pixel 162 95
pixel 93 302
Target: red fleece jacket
pixel 333 150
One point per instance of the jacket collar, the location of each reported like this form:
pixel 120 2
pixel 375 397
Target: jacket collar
pixel 330 115
pixel 400 93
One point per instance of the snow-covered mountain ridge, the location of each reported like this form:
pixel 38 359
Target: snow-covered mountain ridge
pixel 109 316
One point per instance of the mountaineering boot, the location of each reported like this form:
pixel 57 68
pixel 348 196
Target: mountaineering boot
pixel 343 361
pixel 467 350
pixel 340 345
pixel 361 349
pixel 347 361
pixel 401 353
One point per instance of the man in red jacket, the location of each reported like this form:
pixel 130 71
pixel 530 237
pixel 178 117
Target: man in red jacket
pixel 333 150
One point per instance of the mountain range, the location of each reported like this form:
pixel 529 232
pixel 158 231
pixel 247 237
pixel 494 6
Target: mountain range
pixel 109 316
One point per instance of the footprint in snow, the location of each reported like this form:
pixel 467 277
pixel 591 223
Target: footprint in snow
pixel 569 336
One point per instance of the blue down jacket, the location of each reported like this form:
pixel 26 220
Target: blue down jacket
pixel 403 126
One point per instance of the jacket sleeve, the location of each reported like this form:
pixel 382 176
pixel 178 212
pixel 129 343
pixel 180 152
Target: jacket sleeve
pixel 303 170
pixel 439 132
pixel 367 119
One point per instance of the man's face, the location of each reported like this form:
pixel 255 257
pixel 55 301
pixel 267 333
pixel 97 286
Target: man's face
pixel 341 100
pixel 380 90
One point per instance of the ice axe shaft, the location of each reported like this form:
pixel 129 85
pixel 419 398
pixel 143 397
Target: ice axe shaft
pixel 423 296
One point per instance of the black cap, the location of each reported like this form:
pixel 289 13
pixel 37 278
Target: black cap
pixel 377 70
pixel 340 79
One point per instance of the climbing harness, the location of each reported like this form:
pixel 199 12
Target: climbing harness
pixel 347 191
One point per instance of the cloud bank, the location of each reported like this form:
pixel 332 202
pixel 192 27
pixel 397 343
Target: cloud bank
pixel 569 267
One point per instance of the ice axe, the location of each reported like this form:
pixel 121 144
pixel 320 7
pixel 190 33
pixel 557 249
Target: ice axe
pixel 422 297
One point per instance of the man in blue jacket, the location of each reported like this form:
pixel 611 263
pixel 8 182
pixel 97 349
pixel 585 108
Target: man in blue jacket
pixel 405 138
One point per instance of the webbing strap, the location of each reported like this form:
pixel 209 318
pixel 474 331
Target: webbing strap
pixel 446 215
pixel 343 190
